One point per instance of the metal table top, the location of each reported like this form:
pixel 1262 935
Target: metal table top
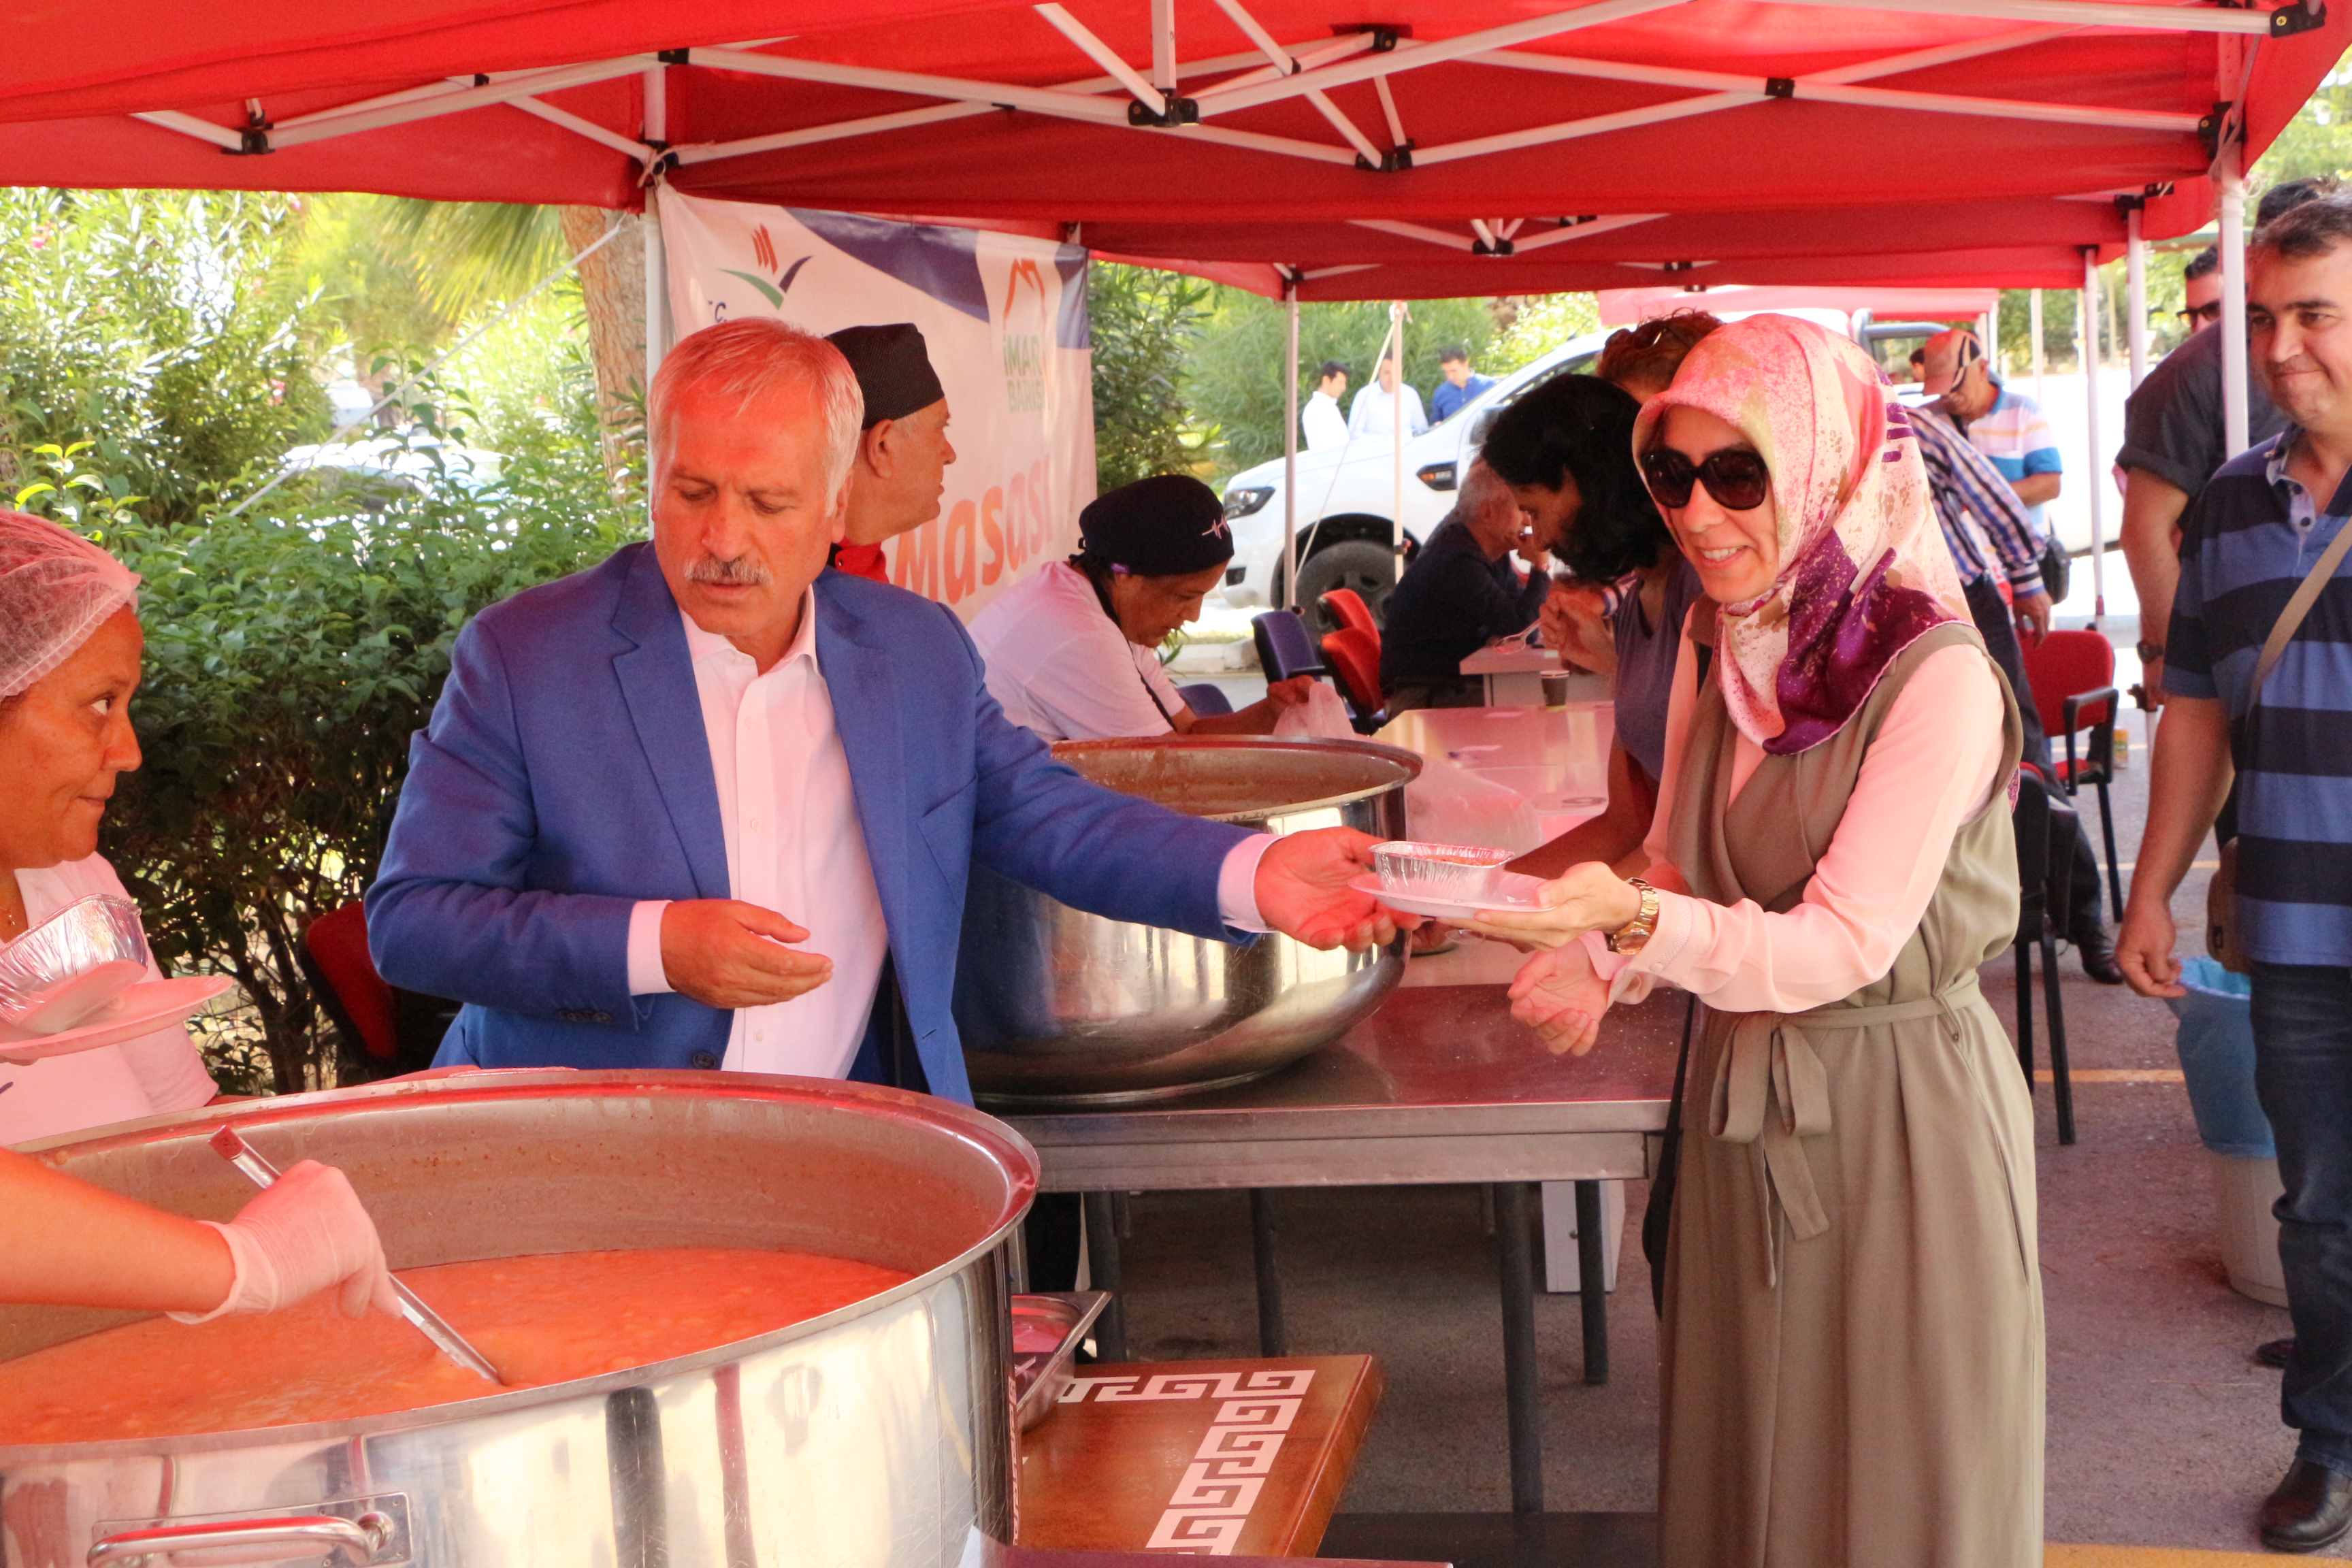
pixel 1440 1084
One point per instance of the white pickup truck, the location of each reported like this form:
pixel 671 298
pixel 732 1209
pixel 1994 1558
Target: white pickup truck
pixel 1348 497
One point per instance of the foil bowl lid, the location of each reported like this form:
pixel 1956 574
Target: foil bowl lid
pixel 72 964
pixel 1462 871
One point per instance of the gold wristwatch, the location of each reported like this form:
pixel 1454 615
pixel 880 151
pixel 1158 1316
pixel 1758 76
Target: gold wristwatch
pixel 1635 934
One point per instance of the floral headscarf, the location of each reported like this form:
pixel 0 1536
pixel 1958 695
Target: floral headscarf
pixel 1864 567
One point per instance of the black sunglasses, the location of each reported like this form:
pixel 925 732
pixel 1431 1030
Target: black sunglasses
pixel 1736 476
pixel 2205 313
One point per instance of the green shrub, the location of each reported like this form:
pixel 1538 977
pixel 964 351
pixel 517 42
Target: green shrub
pixel 1141 320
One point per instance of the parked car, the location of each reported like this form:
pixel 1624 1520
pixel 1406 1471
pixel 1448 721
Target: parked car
pixel 1347 497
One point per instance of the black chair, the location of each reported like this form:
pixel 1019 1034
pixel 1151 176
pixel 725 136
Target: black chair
pixel 1206 699
pixel 1285 647
pixel 2043 828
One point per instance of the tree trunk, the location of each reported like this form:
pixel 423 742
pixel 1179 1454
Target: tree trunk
pixel 612 285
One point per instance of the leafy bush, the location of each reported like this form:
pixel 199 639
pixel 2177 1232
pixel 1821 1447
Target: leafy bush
pixel 290 653
pixel 1141 320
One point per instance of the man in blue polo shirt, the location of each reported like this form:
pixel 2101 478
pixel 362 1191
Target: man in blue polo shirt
pixel 1461 386
pixel 2258 528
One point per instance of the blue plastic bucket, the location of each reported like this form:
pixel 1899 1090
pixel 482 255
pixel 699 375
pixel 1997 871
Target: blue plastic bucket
pixel 2216 1042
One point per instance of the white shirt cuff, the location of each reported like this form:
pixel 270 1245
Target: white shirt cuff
pixel 646 976
pixel 1237 884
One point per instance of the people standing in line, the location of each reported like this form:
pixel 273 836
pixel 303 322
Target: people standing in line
pixel 1460 387
pixel 2002 423
pixel 1320 421
pixel 2259 528
pixel 2173 442
pixel 1983 522
pixel 900 470
pixel 1852 1366
pixel 1459 593
pixel 1374 411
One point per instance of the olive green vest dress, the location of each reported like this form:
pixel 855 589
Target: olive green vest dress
pixel 1853 1337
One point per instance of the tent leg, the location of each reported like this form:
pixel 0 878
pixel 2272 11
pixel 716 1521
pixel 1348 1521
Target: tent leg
pixel 2232 180
pixel 657 290
pixel 2033 331
pixel 1290 449
pixel 1398 433
pixel 2135 297
pixel 2093 477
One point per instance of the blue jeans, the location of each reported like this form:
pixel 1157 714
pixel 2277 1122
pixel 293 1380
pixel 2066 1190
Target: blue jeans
pixel 2303 1072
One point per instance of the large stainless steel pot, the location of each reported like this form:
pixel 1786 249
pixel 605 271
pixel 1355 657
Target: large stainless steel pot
pixel 1059 1007
pixel 876 1436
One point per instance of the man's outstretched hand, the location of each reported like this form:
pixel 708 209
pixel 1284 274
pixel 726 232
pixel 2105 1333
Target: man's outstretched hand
pixel 724 952
pixel 1303 893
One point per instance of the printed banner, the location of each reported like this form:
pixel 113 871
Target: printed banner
pixel 1005 320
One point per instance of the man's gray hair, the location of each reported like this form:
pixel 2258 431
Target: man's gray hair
pixel 752 359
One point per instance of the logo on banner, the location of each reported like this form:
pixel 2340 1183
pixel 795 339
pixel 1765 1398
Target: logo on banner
pixel 1027 315
pixel 763 253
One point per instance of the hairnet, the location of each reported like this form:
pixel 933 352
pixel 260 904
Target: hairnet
pixel 55 588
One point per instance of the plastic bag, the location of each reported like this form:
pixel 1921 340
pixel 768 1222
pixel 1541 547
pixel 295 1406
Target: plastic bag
pixel 1322 717
pixel 1449 804
pixel 2216 1042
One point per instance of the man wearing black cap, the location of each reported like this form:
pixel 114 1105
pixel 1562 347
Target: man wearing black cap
pixel 898 477
pixel 1072 650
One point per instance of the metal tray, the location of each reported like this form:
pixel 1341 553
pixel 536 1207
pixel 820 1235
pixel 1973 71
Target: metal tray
pixel 1040 1377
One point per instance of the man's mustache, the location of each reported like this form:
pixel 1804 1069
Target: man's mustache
pixel 742 572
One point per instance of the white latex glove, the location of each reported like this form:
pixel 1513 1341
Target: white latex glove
pixel 297 1238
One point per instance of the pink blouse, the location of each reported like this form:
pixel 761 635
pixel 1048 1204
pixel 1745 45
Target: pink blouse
pixel 1933 767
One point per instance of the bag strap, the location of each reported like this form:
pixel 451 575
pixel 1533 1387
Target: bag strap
pixel 2307 593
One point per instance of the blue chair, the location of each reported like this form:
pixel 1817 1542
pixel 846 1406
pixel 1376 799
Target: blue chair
pixel 1206 699
pixel 1285 647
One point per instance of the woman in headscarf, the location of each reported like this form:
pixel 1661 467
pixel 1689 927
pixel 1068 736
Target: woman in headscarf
pixel 1073 650
pixel 1853 1311
pixel 70 648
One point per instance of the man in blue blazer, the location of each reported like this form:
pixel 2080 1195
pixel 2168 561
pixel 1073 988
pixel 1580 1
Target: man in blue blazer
pixel 647 785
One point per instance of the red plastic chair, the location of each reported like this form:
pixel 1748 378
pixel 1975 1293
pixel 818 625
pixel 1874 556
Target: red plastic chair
pixel 1355 657
pixel 356 998
pixel 2073 679
pixel 1347 606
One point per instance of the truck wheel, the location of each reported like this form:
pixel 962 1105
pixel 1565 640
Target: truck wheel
pixel 1358 563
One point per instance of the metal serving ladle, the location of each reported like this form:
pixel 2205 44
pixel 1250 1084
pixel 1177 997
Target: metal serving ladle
pixel 447 1340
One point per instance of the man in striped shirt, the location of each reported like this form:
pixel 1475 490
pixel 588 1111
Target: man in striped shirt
pixel 1984 522
pixel 2255 531
pixel 2007 426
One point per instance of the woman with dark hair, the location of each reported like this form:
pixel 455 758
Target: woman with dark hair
pixel 1565 448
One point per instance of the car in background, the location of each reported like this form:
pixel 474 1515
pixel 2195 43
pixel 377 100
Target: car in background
pixel 372 473
pixel 1348 495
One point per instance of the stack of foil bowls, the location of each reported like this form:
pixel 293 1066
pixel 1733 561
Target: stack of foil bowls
pixel 72 966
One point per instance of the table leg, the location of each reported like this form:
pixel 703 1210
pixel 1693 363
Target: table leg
pixel 1591 1272
pixel 1271 1339
pixel 1102 1274
pixel 1520 1373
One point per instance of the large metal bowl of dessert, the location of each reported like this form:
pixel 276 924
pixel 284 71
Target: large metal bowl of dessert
pixel 874 1432
pixel 1057 1007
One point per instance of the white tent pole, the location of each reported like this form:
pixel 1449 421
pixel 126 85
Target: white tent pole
pixel 1397 432
pixel 2093 480
pixel 657 289
pixel 2232 180
pixel 2136 297
pixel 2033 331
pixel 1290 448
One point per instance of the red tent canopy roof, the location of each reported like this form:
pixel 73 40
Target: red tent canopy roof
pixel 1458 146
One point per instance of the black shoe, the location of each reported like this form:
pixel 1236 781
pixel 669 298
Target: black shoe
pixel 2097 952
pixel 2275 1353
pixel 2311 1509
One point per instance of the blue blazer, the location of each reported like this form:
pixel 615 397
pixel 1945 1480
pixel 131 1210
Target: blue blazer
pixel 565 776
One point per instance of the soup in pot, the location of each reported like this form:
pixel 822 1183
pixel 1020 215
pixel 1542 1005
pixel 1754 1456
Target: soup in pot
pixel 538 1320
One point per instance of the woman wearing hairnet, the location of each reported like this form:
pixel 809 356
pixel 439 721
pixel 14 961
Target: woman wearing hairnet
pixel 70 646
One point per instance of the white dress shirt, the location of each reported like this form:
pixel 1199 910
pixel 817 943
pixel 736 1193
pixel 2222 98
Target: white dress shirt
pixel 1323 422
pixel 150 1076
pixel 794 846
pixel 1063 670
pixel 1374 410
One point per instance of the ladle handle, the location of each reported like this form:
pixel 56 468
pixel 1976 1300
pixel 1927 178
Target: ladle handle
pixel 428 1323
pixel 352 1543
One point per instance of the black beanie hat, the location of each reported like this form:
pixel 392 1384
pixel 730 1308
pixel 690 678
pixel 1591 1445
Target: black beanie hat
pixel 1170 525
pixel 894 369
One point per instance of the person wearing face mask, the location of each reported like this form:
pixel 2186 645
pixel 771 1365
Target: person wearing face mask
pixel 899 472
pixel 70 648
pixel 1073 650
pixel 1853 1331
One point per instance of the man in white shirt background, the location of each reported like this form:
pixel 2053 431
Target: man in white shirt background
pixel 1374 411
pixel 1320 421
pixel 709 803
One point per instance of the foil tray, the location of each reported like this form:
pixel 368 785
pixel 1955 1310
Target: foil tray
pixel 1041 1375
pixel 72 966
pixel 1462 873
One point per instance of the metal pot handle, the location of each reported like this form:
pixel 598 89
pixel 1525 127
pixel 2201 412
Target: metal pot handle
pixel 352 1543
